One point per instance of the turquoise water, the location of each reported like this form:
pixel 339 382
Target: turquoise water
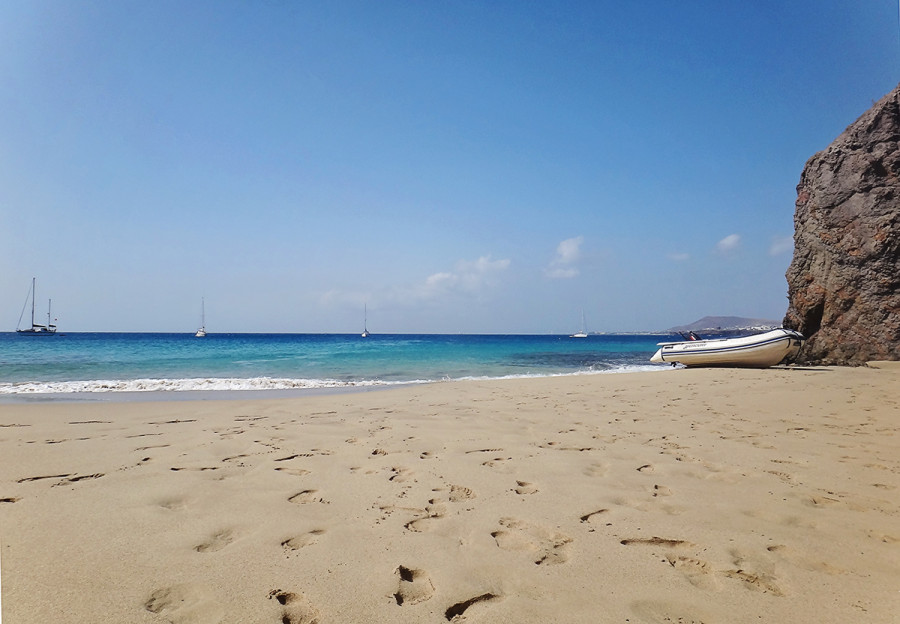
pixel 101 362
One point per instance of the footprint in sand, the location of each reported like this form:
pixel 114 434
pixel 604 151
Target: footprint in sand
pixel 456 612
pixel 435 510
pixel 459 493
pixel 295 609
pixel 185 604
pixel 80 478
pixel 656 541
pixel 400 474
pixel 306 496
pixel 661 490
pixel 592 516
pixel 756 574
pixel 547 546
pixel 413 587
pixel 699 573
pixel 218 541
pixel 42 477
pixel 302 541
pixel 820 501
pixel 147 448
pixel 784 476
pixel 297 472
pixel 497 462
pixel 596 470
pixel 756 581
pixel 172 504
pixel 524 487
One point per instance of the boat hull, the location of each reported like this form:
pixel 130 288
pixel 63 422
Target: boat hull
pixel 757 351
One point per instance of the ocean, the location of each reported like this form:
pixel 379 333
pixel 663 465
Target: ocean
pixel 95 363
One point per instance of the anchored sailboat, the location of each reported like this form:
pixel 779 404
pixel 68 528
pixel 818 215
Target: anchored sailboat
pixel 365 333
pixel 583 332
pixel 202 331
pixel 35 330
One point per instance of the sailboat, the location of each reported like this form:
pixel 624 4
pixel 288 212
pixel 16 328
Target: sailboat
pixel 583 332
pixel 202 331
pixel 365 333
pixel 35 330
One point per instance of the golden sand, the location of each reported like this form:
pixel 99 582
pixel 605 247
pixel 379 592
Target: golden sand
pixel 713 496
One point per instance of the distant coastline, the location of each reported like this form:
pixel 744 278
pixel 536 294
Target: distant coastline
pixel 727 324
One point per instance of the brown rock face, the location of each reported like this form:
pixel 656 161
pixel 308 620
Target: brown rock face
pixel 844 280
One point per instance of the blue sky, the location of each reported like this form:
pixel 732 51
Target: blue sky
pixel 463 166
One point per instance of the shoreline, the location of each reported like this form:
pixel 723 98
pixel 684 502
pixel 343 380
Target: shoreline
pixel 154 396
pixel 713 495
pixel 168 388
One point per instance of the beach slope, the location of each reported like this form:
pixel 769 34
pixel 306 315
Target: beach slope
pixel 714 496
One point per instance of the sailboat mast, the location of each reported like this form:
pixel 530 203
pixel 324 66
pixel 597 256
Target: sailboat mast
pixel 32 300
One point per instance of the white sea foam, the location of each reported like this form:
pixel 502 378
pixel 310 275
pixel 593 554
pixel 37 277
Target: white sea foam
pixel 628 368
pixel 212 384
pixel 184 385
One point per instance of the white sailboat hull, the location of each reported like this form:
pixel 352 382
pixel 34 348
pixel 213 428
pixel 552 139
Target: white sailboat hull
pixel 757 351
pixel 37 330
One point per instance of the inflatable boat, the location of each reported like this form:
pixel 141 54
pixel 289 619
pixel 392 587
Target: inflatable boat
pixel 756 351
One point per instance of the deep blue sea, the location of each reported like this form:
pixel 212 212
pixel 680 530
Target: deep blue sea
pixel 126 362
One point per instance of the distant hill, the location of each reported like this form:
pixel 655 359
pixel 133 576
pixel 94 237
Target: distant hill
pixel 723 323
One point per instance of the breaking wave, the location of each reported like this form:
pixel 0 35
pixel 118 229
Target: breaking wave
pixel 256 383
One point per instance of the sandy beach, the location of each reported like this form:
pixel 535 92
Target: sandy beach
pixel 713 496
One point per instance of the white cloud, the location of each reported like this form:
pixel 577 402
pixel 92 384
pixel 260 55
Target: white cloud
pixel 679 257
pixel 567 254
pixel 729 243
pixel 469 276
pixel 441 280
pixel 568 250
pixel 780 245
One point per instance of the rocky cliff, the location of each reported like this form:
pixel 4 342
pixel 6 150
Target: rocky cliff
pixel 844 279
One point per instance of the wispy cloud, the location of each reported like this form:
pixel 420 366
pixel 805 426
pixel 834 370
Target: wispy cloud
pixel 679 257
pixel 468 276
pixel 729 243
pixel 781 245
pixel 567 254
